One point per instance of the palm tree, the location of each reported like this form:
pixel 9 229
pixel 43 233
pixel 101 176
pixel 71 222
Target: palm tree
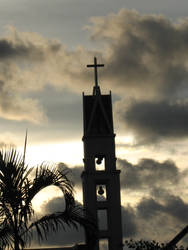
pixel 17 190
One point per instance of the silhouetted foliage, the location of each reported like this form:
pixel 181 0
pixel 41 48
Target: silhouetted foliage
pixel 17 190
pixel 149 245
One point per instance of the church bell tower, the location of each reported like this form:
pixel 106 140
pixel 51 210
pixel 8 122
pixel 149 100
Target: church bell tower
pixel 100 178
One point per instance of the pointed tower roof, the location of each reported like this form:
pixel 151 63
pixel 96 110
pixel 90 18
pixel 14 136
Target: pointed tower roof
pixel 97 109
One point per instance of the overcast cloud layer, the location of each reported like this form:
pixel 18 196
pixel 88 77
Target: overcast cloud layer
pixel 159 201
pixel 145 59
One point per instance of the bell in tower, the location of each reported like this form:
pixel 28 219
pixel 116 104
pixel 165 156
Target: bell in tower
pixel 100 191
pixel 100 177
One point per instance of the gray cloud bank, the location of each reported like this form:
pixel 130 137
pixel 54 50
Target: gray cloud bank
pixel 151 121
pixel 146 174
pixel 173 206
pixel 140 52
pixel 65 236
pixel 159 215
pixel 145 52
pixel 146 61
pixel 146 220
pixel 68 236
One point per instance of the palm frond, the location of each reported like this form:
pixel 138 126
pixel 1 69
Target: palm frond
pixel 45 177
pixel 6 236
pixel 16 193
pixel 13 180
pixel 72 217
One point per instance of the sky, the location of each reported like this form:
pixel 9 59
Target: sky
pixel 45 46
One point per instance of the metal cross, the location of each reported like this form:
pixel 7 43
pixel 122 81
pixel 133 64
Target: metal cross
pixel 95 65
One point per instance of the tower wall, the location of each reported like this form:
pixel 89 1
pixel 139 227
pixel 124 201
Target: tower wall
pixel 99 146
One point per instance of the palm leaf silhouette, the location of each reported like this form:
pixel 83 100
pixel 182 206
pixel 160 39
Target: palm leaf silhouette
pixel 17 190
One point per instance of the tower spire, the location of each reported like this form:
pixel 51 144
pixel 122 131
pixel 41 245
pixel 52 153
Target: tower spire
pixel 96 88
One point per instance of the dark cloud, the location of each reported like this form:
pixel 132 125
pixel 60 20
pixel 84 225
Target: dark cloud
pixel 129 224
pixel 70 236
pixel 18 108
pixel 74 173
pixel 9 50
pixel 176 207
pixel 148 173
pixel 173 205
pixel 24 46
pixel 65 236
pixel 166 213
pixel 13 105
pixel 146 60
pixel 146 220
pixel 141 52
pixel 54 205
pixel 21 55
pixel 144 52
pixel 153 121
pixel 148 208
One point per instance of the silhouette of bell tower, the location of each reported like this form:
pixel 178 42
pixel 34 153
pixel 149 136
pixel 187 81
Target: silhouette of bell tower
pixel 100 178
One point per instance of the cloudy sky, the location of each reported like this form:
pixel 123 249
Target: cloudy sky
pixel 45 46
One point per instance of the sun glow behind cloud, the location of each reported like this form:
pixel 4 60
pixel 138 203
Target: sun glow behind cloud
pixel 44 196
pixel 70 153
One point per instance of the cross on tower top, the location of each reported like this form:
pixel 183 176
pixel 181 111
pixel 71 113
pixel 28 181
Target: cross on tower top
pixel 95 66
